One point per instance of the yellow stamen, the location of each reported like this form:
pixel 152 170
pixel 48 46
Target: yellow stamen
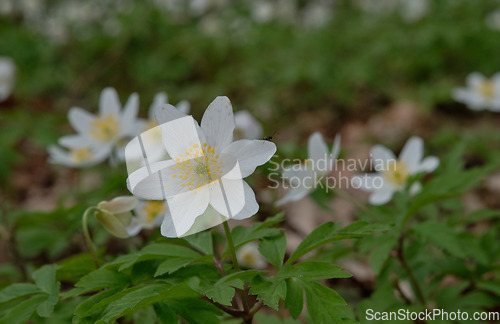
pixel 104 128
pixel 397 172
pixel 81 154
pixel 153 209
pixel 487 89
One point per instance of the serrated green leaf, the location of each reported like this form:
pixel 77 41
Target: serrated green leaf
pixel 201 241
pixel 268 290
pixel 45 278
pixel 312 271
pixel 273 249
pixel 171 265
pixel 165 314
pixel 84 309
pixel 440 235
pixel 97 280
pixel 224 289
pixel 195 310
pixel 294 300
pixel 22 312
pixel 324 305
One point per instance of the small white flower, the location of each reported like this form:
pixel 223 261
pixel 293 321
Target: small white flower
pixel 393 174
pixel 115 215
pixel 493 20
pixel 7 77
pixel 159 100
pixel 110 129
pixel 204 159
pixel 77 157
pixel 247 127
pixel 480 93
pixel 413 10
pixel 302 177
pixel 148 214
pixel 249 257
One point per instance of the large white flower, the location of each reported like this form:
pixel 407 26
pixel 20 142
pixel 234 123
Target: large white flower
pixel 7 77
pixel 480 93
pixel 246 126
pixel 205 171
pixel 110 129
pixel 393 174
pixel 302 178
pixel 148 214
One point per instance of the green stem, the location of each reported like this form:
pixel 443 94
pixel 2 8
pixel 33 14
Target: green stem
pixel 409 271
pixel 86 233
pixel 230 245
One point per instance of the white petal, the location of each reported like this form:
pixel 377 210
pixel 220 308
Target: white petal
pixel 474 79
pixel 73 141
pixel 250 154
pixel 218 123
pixel 316 147
pixel 227 196
pixel 186 207
pixel 184 107
pixel 134 227
pixel 119 204
pixel 160 100
pixel 412 153
pixel 381 156
pixel 293 194
pixel 109 103
pixel 429 164
pixel 335 147
pixel 251 206
pixel 248 125
pixel 80 120
pixel 208 219
pixel 146 182
pixel 369 182
pixel 380 197
pixel 129 116
pixel 181 134
pixel 415 188
pixel 168 113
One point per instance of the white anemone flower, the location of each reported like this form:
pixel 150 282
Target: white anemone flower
pixel 78 156
pixel 249 257
pixel 246 126
pixel 148 215
pixel 7 77
pixel 205 171
pixel 115 215
pixel 302 178
pixel 110 129
pixel 393 174
pixel 480 93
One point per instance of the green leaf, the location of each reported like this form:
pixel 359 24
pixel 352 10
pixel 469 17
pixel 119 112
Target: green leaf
pixel 22 312
pixel 378 256
pixel 171 265
pixel 195 310
pixel 201 241
pixel 322 235
pixel 294 300
pixel 324 305
pixel 312 271
pixel 273 249
pixel 242 235
pixel 482 214
pixel 85 308
pixel 442 236
pixel 223 290
pixel 99 279
pixel 165 314
pixel 75 267
pixel 18 290
pixel 491 286
pixel 268 290
pixel 45 278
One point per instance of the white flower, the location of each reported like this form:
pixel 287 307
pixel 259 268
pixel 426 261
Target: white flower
pixel 493 20
pixel 393 174
pixel 159 101
pixel 302 177
pixel 109 129
pixel 7 77
pixel 77 157
pixel 246 126
pixel 148 214
pixel 413 10
pixel 249 257
pixel 206 168
pixel 115 215
pixel 480 93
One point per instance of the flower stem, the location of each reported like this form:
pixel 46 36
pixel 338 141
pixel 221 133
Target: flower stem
pixel 86 233
pixel 409 271
pixel 230 245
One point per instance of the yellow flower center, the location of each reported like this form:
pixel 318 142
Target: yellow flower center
pixel 198 166
pixel 397 172
pixel 487 89
pixel 150 124
pixel 104 128
pixel 81 154
pixel 154 209
pixel 249 259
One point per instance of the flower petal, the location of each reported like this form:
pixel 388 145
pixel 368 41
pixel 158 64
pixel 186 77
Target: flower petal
pixel 429 164
pixel 251 206
pixel 184 107
pixel 293 194
pixel 381 156
pixel 412 153
pixel 250 154
pixel 109 103
pixel 316 147
pixel 160 100
pixel 218 123
pixel 73 141
pixel 168 113
pixel 335 147
pixel 80 120
pixel 129 116
pixel 474 79
pixel 186 207
pixel 134 227
pixel 227 196
pixel 119 204
pixel 380 197
pixel 111 223
pixel 248 125
pixel 369 182
pixel 181 134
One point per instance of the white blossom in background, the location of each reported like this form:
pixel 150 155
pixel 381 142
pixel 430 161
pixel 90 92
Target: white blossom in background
pixel 249 257
pixel 246 126
pixel 159 100
pixel 107 131
pixel 413 10
pixel 317 14
pixel 148 215
pixel 493 20
pixel 480 92
pixel 392 174
pixel 7 77
pixel 262 11
pixel 77 157
pixel 115 215
pixel 302 177
pixel 204 159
